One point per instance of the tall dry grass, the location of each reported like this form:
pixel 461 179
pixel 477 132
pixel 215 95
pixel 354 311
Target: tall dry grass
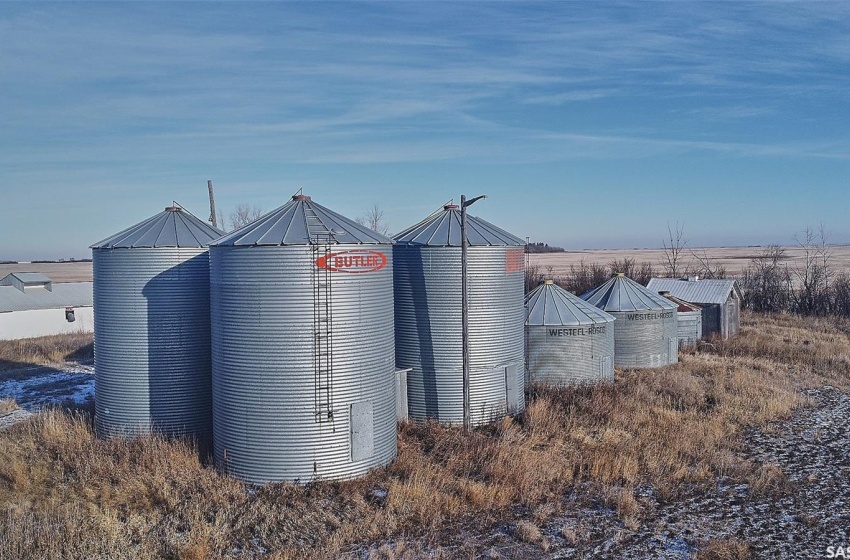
pixel 67 494
pixel 46 350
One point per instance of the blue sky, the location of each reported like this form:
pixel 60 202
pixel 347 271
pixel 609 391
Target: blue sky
pixel 588 125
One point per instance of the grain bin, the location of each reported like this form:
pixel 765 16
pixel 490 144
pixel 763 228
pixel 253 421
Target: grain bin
pixel 645 332
pixel 427 270
pixel 568 341
pixel 152 327
pixel 689 319
pixel 302 343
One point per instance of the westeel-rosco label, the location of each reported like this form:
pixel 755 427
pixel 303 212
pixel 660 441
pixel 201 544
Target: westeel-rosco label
pixel 357 261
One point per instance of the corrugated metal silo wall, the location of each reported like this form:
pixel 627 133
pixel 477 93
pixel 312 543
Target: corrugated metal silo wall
pixel 562 355
pixel 429 338
pixel 645 338
pixel 690 327
pixel 263 373
pixel 152 341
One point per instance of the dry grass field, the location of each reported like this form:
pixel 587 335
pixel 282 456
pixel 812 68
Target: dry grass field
pixel 734 259
pixel 67 494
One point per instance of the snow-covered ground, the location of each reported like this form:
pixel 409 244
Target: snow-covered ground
pixel 35 387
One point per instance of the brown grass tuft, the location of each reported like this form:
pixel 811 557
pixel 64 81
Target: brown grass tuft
pixel 724 549
pixel 7 406
pixel 67 494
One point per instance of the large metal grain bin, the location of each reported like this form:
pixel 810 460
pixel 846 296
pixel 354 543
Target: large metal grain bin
pixel 689 318
pixel 568 341
pixel 427 268
pixel 152 327
pixel 303 350
pixel 645 332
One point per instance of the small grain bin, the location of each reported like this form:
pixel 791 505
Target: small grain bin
pixel 568 341
pixel 689 318
pixel 152 327
pixel 427 270
pixel 645 333
pixel 303 349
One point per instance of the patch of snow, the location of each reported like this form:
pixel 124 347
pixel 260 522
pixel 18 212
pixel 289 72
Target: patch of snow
pixel 34 388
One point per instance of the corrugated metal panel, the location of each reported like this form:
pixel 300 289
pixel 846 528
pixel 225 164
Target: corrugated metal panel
pixel 71 294
pixel 567 339
pixel 646 329
pixel 297 223
pixel 624 294
pixel 442 229
pixel 689 316
pixel 173 227
pixel 549 304
pixel 643 339
pixel 699 291
pixel 263 370
pixel 429 337
pixel 152 341
pixel 690 327
pixel 562 355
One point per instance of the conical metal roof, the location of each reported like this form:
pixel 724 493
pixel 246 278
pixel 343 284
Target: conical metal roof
pixel 549 304
pixel 173 227
pixel 442 229
pixel 301 222
pixel 624 294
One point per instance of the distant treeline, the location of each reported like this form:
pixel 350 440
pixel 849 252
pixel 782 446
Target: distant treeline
pixel 585 276
pixel 61 261
pixel 808 286
pixel 542 248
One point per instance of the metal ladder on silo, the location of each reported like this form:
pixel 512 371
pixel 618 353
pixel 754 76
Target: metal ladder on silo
pixel 321 241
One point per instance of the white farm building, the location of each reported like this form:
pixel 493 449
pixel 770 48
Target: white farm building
pixel 31 304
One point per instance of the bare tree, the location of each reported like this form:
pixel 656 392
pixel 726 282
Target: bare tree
pixel 374 220
pixel 767 282
pixel 674 245
pixel 813 274
pixel 243 215
pixel 708 267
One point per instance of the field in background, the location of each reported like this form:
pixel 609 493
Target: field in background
pixel 671 430
pixel 734 259
pixel 58 272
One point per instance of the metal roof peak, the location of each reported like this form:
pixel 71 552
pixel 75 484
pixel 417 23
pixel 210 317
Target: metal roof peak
pixel 621 293
pixel 173 227
pixel 302 222
pixel 442 229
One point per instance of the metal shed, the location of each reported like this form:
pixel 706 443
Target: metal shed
pixel 427 271
pixel 31 305
pixel 152 329
pixel 303 349
pixel 689 318
pixel 646 331
pixel 720 299
pixel 568 341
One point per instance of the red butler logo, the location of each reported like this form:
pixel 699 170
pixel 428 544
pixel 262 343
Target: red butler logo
pixel 353 262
